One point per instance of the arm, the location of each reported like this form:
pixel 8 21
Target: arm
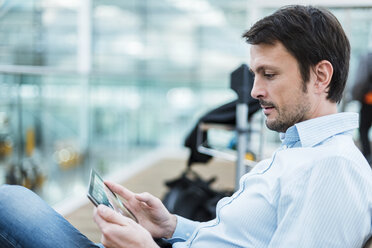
pixel 184 229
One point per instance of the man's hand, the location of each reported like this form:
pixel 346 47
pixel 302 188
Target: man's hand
pixel 119 231
pixel 149 211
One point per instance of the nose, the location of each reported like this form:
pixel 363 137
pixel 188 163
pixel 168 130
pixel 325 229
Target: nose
pixel 258 91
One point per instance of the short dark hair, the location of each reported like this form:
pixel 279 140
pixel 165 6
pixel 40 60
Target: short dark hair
pixel 311 35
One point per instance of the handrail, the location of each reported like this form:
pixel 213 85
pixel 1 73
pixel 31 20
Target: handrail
pixel 36 70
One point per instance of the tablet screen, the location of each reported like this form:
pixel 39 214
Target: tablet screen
pixel 99 193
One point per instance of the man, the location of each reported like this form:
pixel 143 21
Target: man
pixel 316 189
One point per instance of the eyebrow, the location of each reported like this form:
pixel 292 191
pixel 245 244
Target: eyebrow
pixel 264 67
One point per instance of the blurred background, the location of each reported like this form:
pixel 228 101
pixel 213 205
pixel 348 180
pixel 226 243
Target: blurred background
pixel 101 83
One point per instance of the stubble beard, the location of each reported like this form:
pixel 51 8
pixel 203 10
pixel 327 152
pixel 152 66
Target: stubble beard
pixel 289 115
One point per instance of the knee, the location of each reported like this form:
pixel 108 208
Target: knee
pixel 15 196
pixel 20 205
pixel 8 192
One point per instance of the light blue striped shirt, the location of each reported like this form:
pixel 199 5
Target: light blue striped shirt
pixel 315 191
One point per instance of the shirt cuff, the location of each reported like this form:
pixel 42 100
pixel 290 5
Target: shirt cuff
pixel 184 229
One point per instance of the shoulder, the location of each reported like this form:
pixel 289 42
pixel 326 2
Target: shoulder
pixel 337 157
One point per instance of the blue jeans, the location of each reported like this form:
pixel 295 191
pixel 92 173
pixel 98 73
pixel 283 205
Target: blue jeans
pixel 27 221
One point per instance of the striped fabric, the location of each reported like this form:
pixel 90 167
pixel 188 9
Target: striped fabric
pixel 315 191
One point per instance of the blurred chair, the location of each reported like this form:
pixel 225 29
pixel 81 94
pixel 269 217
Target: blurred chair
pixel 368 244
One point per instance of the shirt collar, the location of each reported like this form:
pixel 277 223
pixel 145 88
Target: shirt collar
pixel 290 136
pixel 314 131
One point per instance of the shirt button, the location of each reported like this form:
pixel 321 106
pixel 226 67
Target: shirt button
pixel 285 146
pixel 188 234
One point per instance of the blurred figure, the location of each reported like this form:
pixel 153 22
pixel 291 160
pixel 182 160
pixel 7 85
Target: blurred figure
pixel 362 91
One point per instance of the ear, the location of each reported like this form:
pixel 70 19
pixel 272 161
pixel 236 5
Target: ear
pixel 323 73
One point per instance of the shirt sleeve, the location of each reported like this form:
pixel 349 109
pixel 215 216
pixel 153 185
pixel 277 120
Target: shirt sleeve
pixel 184 229
pixel 325 207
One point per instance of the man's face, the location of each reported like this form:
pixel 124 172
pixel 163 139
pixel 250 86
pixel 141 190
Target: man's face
pixel 278 86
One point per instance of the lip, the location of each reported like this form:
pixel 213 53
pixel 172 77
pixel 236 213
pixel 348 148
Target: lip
pixel 267 109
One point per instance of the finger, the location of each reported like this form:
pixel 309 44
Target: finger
pixel 110 216
pixel 147 198
pixel 120 190
pixel 101 223
pixel 107 229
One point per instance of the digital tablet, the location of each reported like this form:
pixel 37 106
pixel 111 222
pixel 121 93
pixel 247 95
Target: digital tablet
pixel 99 193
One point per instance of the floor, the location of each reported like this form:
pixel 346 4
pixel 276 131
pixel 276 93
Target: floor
pixel 152 180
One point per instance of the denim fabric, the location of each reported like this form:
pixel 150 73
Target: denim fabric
pixel 27 221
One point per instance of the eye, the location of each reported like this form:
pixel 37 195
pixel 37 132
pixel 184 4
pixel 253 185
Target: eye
pixel 269 75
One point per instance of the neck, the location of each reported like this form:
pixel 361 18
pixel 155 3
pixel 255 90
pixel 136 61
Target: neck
pixel 324 108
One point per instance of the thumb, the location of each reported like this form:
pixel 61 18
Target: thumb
pixel 110 216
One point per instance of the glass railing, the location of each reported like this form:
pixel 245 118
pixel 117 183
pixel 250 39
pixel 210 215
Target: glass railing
pixel 55 126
